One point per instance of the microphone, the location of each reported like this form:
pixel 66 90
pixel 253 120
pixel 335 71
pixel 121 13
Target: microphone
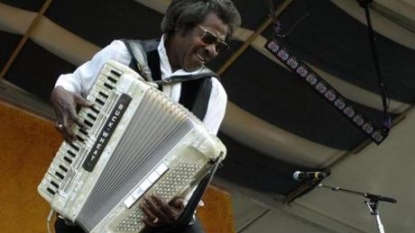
pixel 299 176
pixel 379 198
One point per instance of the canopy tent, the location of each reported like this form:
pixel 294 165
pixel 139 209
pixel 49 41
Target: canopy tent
pixel 276 123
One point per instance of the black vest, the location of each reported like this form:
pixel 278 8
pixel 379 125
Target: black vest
pixel 196 90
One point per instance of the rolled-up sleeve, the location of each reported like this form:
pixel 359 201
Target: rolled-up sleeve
pixel 83 78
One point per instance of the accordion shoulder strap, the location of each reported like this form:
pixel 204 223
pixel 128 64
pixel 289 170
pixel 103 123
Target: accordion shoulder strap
pixel 139 50
pixel 138 58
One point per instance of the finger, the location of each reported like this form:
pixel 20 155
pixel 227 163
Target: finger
pixel 80 122
pixel 162 210
pixel 60 127
pixel 175 206
pixel 75 118
pixel 66 130
pixel 150 223
pixel 83 102
pixel 64 104
pixel 59 117
pixel 149 218
pixel 162 204
pixel 146 210
pixel 67 136
pixel 65 109
pixel 178 202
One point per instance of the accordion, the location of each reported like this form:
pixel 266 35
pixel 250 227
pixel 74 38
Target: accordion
pixel 138 142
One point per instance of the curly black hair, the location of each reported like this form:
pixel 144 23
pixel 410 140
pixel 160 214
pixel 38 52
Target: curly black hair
pixel 183 15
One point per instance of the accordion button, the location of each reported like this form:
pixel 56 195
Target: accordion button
pixel 129 201
pixel 161 169
pixel 153 177
pixel 145 185
pixel 137 193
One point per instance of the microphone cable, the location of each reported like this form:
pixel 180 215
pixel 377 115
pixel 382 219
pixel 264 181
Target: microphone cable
pixel 383 91
pixel 277 24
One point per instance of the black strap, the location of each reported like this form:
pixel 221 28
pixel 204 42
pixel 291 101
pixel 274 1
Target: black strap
pixel 196 88
pixel 154 64
pixel 138 59
pixel 184 78
pixel 195 96
pixel 149 45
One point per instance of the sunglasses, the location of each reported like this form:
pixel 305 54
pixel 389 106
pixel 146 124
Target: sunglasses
pixel 209 38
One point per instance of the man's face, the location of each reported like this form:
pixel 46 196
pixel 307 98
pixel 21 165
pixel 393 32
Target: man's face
pixel 202 43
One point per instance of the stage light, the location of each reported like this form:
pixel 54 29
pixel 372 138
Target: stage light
pixel 376 134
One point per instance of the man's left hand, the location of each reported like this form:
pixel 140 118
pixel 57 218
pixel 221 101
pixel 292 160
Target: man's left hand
pixel 158 213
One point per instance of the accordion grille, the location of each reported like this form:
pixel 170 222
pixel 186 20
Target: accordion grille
pixel 161 126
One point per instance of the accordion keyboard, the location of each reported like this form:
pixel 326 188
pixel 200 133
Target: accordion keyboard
pixel 69 157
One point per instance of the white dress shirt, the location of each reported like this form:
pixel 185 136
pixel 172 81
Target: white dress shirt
pixel 83 78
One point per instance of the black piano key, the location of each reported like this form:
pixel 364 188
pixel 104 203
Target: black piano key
pixel 51 191
pixel 63 168
pixel 67 159
pixel 116 73
pixel 88 123
pixel 103 95
pixel 111 79
pixel 59 175
pixel 71 153
pixel 83 131
pixel 94 109
pixel 99 101
pixel 94 118
pixel 54 184
pixel 108 86
pixel 80 138
pixel 74 146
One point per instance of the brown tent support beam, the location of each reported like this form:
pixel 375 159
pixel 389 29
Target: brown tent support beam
pixel 248 42
pixel 25 38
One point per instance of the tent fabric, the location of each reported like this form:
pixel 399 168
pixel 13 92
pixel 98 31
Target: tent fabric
pixel 9 42
pixel 255 83
pixel 36 70
pixel 33 5
pixel 101 21
pixel 341 46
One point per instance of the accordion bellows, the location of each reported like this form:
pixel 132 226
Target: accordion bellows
pixel 138 142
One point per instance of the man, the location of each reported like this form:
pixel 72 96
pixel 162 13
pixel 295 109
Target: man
pixel 194 32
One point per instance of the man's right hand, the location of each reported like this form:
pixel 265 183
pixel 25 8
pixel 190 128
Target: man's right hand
pixel 65 104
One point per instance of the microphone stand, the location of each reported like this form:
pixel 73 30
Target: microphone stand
pixel 372 203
